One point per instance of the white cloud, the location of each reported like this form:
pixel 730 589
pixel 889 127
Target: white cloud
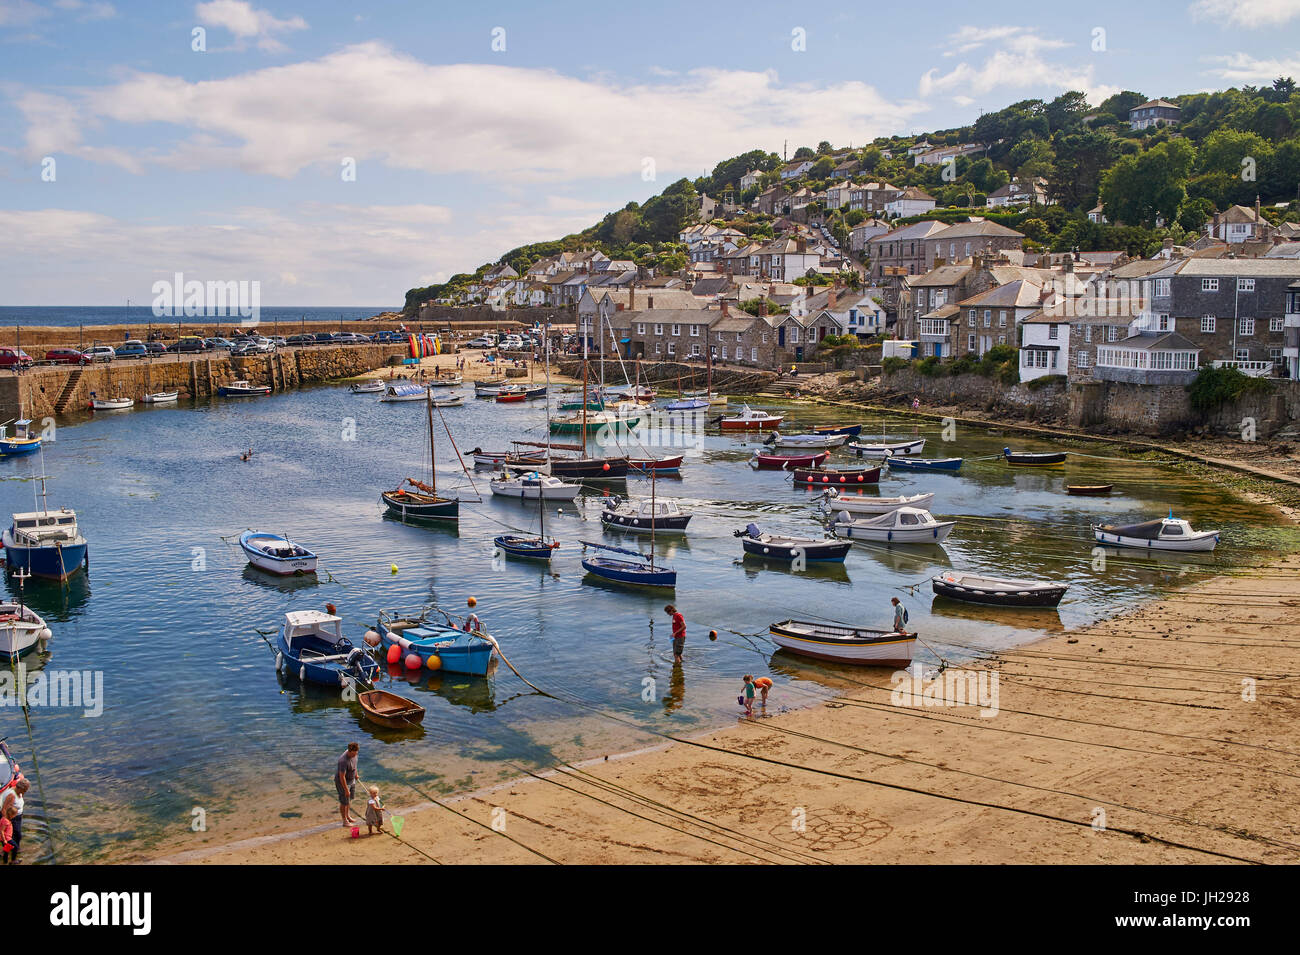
pixel 88 10
pixel 1015 61
pixel 15 13
pixel 1252 14
pixel 247 22
pixel 1240 69
pixel 379 106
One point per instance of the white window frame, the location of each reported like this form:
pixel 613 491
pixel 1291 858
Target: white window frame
pixel 1209 285
pixel 1246 326
pixel 1245 285
pixel 1276 323
pixel 753 354
pixel 677 330
pixel 1208 324
pixel 659 329
pixel 672 349
pixel 640 328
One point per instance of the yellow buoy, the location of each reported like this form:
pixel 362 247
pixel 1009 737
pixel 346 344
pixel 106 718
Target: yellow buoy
pixel 434 663
pixel 393 568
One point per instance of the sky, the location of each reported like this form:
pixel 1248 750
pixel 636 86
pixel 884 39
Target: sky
pixel 341 153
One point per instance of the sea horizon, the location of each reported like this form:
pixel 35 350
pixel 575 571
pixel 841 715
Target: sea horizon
pixel 67 315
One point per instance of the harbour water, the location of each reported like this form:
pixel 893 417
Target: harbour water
pixel 196 724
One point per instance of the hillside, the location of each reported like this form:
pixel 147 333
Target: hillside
pixel 1229 147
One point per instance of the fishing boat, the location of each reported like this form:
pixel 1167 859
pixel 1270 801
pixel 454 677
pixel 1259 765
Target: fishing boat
pixel 786 462
pixel 577 465
pixel 449 401
pixel 1034 459
pixel 902 525
pixel 423 502
pixel 371 387
pixel 884 449
pixel 110 404
pixel 311 646
pixel 640 572
pixel 669 465
pixel 857 645
pixel 243 389
pixel 45 543
pixel 1165 533
pixel 664 517
pixel 488 387
pixel 160 397
pixel 390 710
pixel 493 459
pixel 750 420
pixel 277 555
pixel 22 441
pixel 755 543
pixel 923 464
pixel 593 422
pixel 833 501
pixel 1089 490
pixel 405 391
pixel 806 442
pixel 837 476
pixel 527 548
pixel 445 381
pixel 849 430
pixel 997 591
pixel 533 486
pixel 453 646
pixel 21 628
pixel 517 393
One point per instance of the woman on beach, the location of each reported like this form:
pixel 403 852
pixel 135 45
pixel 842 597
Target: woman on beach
pixel 12 810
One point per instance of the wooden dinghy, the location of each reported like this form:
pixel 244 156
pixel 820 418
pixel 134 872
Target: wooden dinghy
pixel 857 645
pixel 391 710
pixel 998 591
pixel 1089 490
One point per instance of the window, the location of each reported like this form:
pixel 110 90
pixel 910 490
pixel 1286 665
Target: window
pixel 1002 339
pixel 1275 354
pixel 659 329
pixel 677 329
pixel 753 353
pixel 658 350
pixel 1002 319
pixel 794 334
pixel 1052 332
pixel 970 342
pixel 1207 323
pixel 1162 288
pixel 1087 333
pixel 1162 323
pixel 971 315
pixel 1243 354
pixel 1209 285
pixel 765 338
pixel 640 328
pixel 672 348
pixel 937 327
pixel 739 336
pixel 695 331
pixel 1112 333
pixel 724 351
pixel 1245 285
pixel 1275 323
pixel 695 350
pixel 1246 326
pixel 1081 359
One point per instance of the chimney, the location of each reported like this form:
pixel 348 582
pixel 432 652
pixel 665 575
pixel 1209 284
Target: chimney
pixel 725 311
pixel 1214 229
pixel 977 261
pixel 762 308
pixel 650 301
pixel 1257 208
pixel 801 245
pixel 1168 243
pixel 631 296
pixel 831 296
pixel 771 289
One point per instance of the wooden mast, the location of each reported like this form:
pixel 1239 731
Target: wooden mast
pixel 433 472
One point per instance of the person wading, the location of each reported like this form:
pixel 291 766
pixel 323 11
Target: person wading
pixel 345 781
pixel 679 631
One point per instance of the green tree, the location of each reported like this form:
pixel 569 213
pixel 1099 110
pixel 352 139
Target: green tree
pixel 1139 188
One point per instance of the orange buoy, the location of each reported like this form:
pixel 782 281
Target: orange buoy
pixel 472 601
pixel 394 653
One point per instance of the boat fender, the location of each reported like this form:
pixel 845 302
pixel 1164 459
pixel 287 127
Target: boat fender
pixel 402 642
pixel 371 638
pixel 46 633
pixel 394 652
pixel 413 661
pixel 279 661
pixel 302 673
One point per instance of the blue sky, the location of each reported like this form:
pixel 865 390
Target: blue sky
pixel 228 163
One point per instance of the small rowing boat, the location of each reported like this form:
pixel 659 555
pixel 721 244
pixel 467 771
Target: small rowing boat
pixel 1166 533
pixel 110 404
pixel 924 464
pixel 1034 459
pixel 445 381
pixel 850 430
pixel 883 449
pixel 160 397
pixel 277 555
pixel 21 628
pixel 786 462
pixel 371 387
pixel 494 459
pixel 857 645
pixel 389 709
pixel 998 591
pixel 1089 490
pixel 806 442
pixel 637 572
pixel 902 525
pixel 669 465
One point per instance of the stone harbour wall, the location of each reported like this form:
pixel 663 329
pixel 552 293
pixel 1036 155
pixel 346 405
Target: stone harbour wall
pixel 1046 403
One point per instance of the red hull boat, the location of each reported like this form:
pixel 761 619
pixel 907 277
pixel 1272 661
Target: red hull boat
pixel 785 462
pixel 817 477
pixel 660 465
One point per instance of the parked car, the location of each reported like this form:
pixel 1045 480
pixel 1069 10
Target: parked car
pixel 244 346
pixel 131 349
pixel 67 356
pixel 219 343
pixel 155 348
pixel 190 343
pixel 301 340
pixel 323 338
pixel 15 358
pixel 101 353
pixel 351 338
pixel 483 341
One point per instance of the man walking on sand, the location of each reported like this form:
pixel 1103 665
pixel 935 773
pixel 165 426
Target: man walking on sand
pixel 345 781
pixel 679 631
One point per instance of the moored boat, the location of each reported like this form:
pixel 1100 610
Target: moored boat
pixel 444 381
pixel 528 548
pixel 160 397
pixel 850 430
pixel 404 391
pixel 883 449
pixel 22 441
pixel 686 405
pixel 923 464
pixel 669 465
pixel 1034 459
pixel 277 555
pixel 436 646
pixel 22 629
pixel 371 387
pixel 1166 533
pixel 750 420
pixel 390 710
pixel 997 591
pixel 787 462
pixel 664 517
pixel 861 504
pixel 117 403
pixel 1089 490
pixel 423 502
pixel 492 459
pixel 902 525
pixel 857 645
pixel 805 442
pixel 640 571
pixel 755 543
pixel 533 486
pixel 310 645
pixel 45 543
pixel 837 476
pixel 241 388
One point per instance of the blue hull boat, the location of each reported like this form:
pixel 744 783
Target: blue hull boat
pixel 450 649
pixel 310 645
pixel 528 548
pixel 924 464
pixel 852 430
pixel 687 404
pixel 629 572
pixel 56 562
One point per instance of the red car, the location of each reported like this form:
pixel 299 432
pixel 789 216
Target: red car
pixel 15 358
pixel 66 356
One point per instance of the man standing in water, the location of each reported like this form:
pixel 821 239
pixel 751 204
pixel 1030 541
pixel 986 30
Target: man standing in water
pixel 345 781
pixel 679 631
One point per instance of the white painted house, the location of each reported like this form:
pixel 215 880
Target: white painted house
pixel 1044 346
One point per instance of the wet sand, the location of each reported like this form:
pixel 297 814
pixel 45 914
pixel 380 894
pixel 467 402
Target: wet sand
pixel 1129 741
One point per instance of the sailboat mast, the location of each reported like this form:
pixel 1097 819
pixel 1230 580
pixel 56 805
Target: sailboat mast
pixel 433 472
pixel 653 516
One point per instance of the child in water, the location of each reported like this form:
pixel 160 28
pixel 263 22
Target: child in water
pixel 764 684
pixel 374 812
pixel 748 698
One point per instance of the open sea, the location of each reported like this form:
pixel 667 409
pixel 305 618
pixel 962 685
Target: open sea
pixel 196 723
pixel 72 316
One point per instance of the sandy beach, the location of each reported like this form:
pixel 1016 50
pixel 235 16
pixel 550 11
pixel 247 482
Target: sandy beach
pixel 1161 735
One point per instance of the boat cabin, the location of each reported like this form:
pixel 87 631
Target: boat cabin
pixel 38 528
pixel 312 623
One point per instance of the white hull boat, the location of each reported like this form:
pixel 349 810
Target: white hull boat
pixel 1164 534
pixel 161 397
pixel 446 381
pixel 903 525
pixel 532 486
pixel 450 401
pixel 277 555
pixel 856 645
pixel 814 442
pixel 405 391
pixel 835 501
pixel 111 404
pixel 884 449
pixel 372 387
pixel 21 630
pixel 489 459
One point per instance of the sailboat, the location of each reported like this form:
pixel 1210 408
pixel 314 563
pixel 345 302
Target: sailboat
pixel 45 543
pixel 640 572
pixel 540 547
pixel 580 465
pixel 423 502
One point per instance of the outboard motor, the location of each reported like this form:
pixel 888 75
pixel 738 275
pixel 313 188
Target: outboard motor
pixel 753 531
pixel 844 517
